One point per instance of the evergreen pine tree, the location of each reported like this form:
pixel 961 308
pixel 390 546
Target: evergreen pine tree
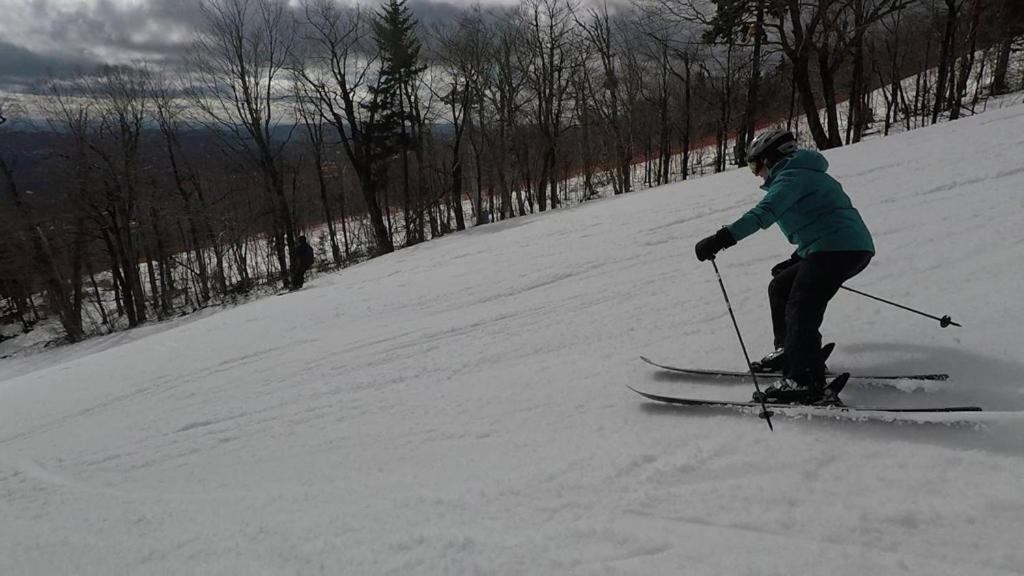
pixel 394 30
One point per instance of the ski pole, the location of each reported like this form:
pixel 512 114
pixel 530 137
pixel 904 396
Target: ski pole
pixel 944 321
pixel 765 412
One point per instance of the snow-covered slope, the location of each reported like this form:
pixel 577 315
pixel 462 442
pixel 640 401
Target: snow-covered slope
pixel 460 408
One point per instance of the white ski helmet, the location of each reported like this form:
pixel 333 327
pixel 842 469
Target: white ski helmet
pixel 771 146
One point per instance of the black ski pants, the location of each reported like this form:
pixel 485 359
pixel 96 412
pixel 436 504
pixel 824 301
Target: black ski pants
pixel 799 295
pixel 298 277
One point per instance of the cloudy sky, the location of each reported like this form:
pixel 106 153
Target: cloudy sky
pixel 37 36
pixel 41 36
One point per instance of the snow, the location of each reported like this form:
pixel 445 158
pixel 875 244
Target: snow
pixel 460 407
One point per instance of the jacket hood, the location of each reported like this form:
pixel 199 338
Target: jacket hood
pixel 799 160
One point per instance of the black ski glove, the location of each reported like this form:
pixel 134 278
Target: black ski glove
pixel 708 247
pixel 782 266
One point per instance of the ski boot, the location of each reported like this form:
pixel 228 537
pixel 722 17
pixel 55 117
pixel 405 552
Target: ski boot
pixel 776 361
pixel 818 392
pixel 791 391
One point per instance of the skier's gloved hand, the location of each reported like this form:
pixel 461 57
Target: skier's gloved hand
pixel 708 247
pixel 781 266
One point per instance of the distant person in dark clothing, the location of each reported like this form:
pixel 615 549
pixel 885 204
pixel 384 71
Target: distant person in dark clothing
pixel 302 260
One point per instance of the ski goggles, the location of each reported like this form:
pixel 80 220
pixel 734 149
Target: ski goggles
pixel 755 165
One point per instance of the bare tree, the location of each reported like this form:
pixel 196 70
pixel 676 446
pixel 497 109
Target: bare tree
pixel 168 112
pixel 968 48
pixel 315 127
pixel 63 290
pixel 500 113
pixel 338 65
pixel 610 44
pixel 121 101
pixel 237 66
pixel 1010 15
pixel 549 58
pixel 462 51
pixel 649 93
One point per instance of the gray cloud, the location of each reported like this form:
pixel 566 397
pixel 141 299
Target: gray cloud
pixel 20 68
pixel 431 13
pixel 19 62
pixel 155 28
pixel 54 36
pixel 59 36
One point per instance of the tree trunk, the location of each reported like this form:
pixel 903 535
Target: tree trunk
pixel 457 178
pixel 855 120
pixel 104 319
pixel 799 56
pixel 121 300
pixel 802 82
pixel 47 265
pixel 966 61
pixel 945 59
pixel 413 229
pixel 124 251
pixel 828 90
pixel 687 117
pixel 999 85
pixel 56 291
pixel 154 289
pixel 325 203
pixel 164 295
pixel 747 127
pixel 381 233
pixel 664 124
pixel 172 143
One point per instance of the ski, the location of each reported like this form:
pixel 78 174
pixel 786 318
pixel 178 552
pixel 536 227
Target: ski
pixel 797 409
pixel 736 374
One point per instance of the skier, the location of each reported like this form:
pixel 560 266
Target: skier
pixel 302 260
pixel 832 245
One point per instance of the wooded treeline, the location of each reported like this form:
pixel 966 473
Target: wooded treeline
pixel 146 192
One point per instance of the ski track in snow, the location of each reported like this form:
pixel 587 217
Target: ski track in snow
pixel 460 407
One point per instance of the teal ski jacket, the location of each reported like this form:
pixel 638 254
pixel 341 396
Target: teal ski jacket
pixel 810 207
